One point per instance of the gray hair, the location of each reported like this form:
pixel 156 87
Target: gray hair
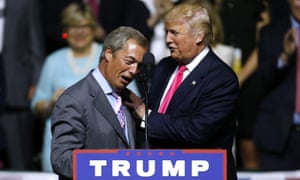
pixel 116 39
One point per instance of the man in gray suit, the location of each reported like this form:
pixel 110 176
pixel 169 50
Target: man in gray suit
pixel 22 55
pixel 85 117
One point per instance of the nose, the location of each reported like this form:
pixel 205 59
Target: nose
pixel 134 68
pixel 168 38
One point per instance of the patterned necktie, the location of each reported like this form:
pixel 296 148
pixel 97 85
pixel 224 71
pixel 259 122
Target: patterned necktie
pixel 119 110
pixel 298 79
pixel 175 84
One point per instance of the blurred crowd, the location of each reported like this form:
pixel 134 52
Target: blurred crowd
pixel 41 40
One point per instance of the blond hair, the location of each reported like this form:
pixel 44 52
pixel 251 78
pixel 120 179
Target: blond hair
pixel 74 13
pixel 195 16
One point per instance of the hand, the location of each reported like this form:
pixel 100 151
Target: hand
pixel 289 44
pixel 134 102
pixel 57 93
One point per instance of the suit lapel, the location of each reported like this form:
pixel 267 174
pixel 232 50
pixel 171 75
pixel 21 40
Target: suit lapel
pixel 191 82
pixel 103 106
pixel 130 128
pixel 160 82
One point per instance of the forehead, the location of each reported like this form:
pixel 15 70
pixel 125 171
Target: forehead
pixel 83 21
pixel 133 50
pixel 178 26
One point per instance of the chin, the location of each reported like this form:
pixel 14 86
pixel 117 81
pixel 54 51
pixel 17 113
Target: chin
pixel 174 56
pixel 121 87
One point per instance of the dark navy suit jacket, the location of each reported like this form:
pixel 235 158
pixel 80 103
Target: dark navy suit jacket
pixel 201 112
pixel 276 110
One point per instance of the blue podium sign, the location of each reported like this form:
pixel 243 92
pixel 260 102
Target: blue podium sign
pixel 155 164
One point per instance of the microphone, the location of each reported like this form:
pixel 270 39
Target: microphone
pixel 145 80
pixel 147 68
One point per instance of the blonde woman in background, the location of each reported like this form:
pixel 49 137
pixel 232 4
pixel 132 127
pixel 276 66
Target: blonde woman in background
pixel 66 66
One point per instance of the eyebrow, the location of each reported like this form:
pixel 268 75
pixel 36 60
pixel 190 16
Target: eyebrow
pixel 132 58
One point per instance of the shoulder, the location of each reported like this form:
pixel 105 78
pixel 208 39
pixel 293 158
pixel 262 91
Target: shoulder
pixel 57 56
pixel 166 64
pixel 82 89
pixel 217 68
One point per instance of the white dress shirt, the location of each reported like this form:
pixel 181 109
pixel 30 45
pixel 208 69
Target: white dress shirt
pixel 2 7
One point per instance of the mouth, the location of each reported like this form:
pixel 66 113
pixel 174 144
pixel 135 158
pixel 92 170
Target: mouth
pixel 172 49
pixel 126 80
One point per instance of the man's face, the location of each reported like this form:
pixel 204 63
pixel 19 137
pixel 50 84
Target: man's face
pixel 180 41
pixel 295 8
pixel 123 65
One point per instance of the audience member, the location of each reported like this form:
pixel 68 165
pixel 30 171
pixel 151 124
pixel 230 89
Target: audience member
pixel 93 108
pixel 22 54
pixel 201 113
pixel 239 20
pixel 249 155
pixel 278 8
pixel 277 132
pixel 66 66
pixel 111 14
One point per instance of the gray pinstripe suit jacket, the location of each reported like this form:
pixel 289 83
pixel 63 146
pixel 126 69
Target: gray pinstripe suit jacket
pixel 84 119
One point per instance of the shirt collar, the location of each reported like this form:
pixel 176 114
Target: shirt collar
pixel 295 24
pixel 191 66
pixel 102 82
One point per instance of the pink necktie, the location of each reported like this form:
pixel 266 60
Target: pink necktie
pixel 119 110
pixel 175 84
pixel 298 79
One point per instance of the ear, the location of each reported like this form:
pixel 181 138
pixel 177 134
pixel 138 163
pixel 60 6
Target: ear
pixel 199 38
pixel 108 54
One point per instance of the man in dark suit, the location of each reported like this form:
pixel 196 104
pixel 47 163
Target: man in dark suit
pixel 85 117
pixel 22 57
pixel 201 112
pixel 277 131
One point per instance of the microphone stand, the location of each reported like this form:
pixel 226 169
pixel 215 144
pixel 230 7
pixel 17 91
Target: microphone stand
pixel 143 81
pixel 148 62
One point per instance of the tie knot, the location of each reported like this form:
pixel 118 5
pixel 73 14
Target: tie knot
pixel 118 100
pixel 182 68
pixel 116 95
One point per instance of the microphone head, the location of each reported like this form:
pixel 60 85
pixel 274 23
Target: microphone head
pixel 147 68
pixel 148 59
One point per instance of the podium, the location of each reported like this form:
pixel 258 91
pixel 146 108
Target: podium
pixel 159 164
